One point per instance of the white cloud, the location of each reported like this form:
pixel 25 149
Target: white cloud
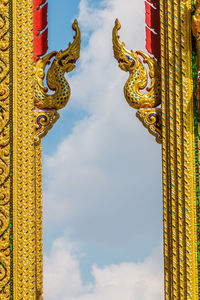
pixel 128 281
pixel 62 275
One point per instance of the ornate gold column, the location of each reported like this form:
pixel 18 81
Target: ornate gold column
pixel 179 189
pixel 27 113
pixel 175 126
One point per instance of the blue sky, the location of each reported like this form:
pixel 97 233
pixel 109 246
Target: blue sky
pixel 102 169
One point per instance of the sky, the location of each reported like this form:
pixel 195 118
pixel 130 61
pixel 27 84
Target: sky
pixel 102 169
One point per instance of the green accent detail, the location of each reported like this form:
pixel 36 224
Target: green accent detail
pixel 196 140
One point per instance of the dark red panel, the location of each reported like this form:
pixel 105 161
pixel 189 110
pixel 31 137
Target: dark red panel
pixel 40 44
pixel 40 19
pixel 40 31
pixel 152 19
pixel 153 43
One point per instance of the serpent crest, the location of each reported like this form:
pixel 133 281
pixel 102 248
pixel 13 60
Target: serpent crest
pixel 129 61
pixel 63 62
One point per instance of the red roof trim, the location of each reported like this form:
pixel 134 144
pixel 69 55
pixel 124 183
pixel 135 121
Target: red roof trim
pixel 39 29
pixel 152 19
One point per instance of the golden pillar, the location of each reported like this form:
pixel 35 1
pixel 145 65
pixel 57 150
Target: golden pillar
pixel 169 111
pixel 27 113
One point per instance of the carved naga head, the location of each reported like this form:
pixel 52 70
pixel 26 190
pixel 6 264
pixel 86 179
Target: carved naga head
pixel 66 59
pixel 127 59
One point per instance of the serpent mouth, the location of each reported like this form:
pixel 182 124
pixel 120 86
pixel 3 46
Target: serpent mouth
pixel 72 61
pixel 121 60
pixel 62 60
pixel 123 64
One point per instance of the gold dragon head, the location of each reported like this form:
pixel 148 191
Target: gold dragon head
pixel 66 59
pixel 127 60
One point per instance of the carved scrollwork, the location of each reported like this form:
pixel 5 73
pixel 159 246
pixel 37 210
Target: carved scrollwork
pixel 152 120
pixel 44 121
pixel 4 164
pixel 4 136
pixel 4 219
pixel 5 193
pixel 4 270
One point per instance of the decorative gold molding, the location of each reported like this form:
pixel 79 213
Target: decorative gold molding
pixel 44 121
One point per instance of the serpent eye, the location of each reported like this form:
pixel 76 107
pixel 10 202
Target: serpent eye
pixel 63 58
pixel 133 63
pixel 130 58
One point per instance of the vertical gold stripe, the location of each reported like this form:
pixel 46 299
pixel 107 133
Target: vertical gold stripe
pixel 189 163
pixel 180 150
pixel 173 154
pixel 39 231
pixel 24 161
pixel 165 152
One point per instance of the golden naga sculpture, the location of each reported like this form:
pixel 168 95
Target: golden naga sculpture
pixel 129 61
pixel 48 104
